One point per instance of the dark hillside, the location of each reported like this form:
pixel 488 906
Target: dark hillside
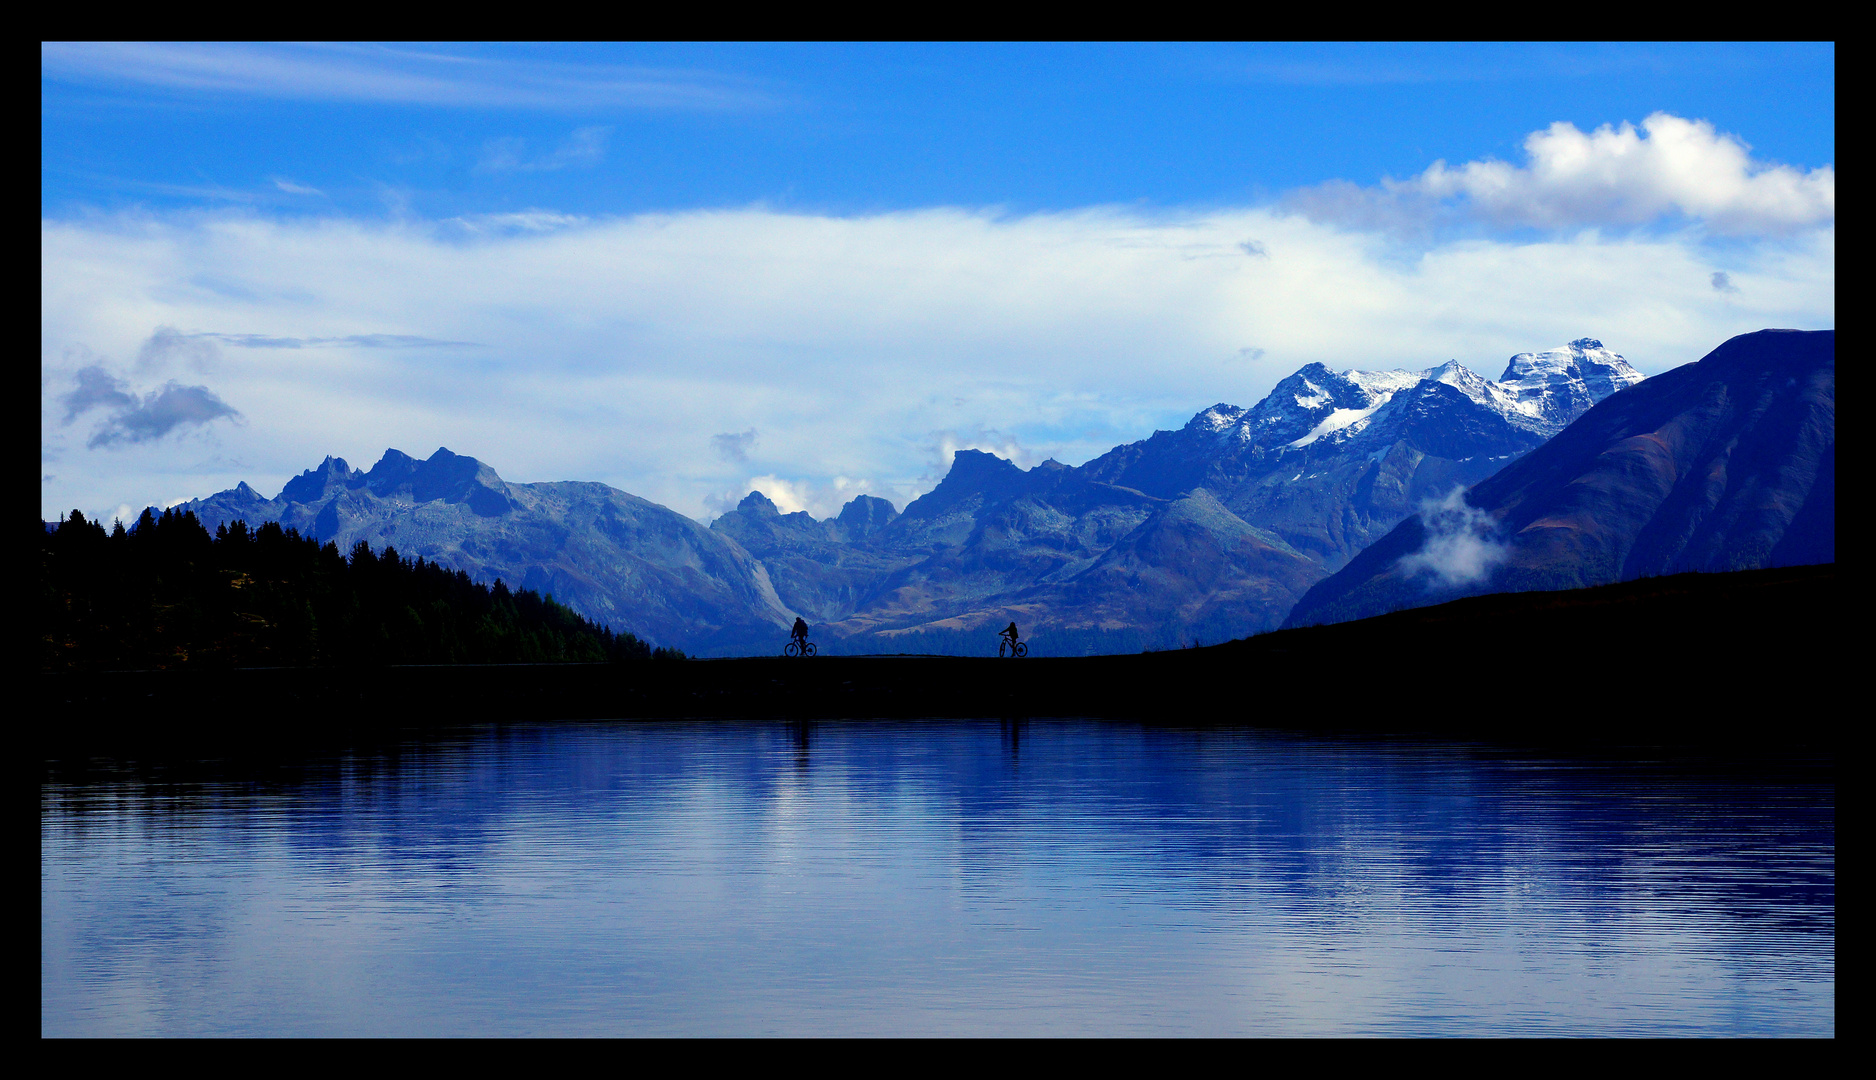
pixel 1736 659
pixel 166 594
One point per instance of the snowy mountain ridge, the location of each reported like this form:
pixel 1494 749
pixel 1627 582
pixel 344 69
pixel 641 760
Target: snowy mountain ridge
pixel 1540 392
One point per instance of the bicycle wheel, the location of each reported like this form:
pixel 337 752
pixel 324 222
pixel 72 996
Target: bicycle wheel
pixel 791 649
pixel 1003 647
pixel 810 650
pixel 1022 648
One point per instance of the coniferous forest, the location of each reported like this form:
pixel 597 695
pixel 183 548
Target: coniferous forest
pixel 164 593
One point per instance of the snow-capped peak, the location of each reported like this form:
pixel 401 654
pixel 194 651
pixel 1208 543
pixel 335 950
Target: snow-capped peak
pixel 1379 383
pixel 1560 384
pixel 1300 403
pixel 1582 359
pixel 1480 389
pixel 1541 392
pixel 1217 418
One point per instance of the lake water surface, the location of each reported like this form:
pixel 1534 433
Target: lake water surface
pixel 954 877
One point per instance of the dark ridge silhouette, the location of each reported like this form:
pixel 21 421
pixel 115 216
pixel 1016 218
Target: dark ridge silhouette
pixel 1719 660
pixel 166 594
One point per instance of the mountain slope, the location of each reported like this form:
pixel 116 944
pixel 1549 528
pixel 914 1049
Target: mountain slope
pixel 989 532
pixel 1192 564
pixel 1725 464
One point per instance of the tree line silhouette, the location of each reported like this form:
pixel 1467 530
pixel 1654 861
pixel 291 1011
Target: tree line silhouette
pixel 164 593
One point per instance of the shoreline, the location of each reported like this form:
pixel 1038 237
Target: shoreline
pixel 1718 659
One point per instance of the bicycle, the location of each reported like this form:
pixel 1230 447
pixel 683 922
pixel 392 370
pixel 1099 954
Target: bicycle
pixel 798 648
pixel 1012 649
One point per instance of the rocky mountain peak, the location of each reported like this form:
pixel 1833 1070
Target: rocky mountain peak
pixel 392 471
pixel 867 510
pixel 978 464
pixel 445 477
pixel 974 473
pixel 756 503
pixel 1219 417
pixel 313 484
pixel 861 518
pixel 1297 405
pixel 1556 386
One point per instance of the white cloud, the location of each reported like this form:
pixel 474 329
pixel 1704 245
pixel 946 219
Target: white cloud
pixel 946 444
pixel 1462 546
pixel 1669 167
pixel 612 349
pixel 821 498
pixel 788 496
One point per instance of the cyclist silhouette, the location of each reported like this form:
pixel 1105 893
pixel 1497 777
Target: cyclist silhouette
pixel 1008 645
pixel 798 643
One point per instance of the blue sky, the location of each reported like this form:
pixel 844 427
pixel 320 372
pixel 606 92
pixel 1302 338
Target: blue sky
pixel 594 262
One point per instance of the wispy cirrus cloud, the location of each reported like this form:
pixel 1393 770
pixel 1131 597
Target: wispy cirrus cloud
pixel 386 74
pixel 1615 176
pixel 585 147
pixel 532 220
pixel 353 341
pixel 277 191
pixel 1348 64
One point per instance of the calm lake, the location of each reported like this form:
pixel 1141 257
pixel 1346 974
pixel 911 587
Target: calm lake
pixel 952 878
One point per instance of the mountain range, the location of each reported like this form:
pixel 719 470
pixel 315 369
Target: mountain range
pixel 1725 464
pixel 1215 530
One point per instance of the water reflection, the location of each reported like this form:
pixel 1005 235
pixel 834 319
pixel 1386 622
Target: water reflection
pixel 959 877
